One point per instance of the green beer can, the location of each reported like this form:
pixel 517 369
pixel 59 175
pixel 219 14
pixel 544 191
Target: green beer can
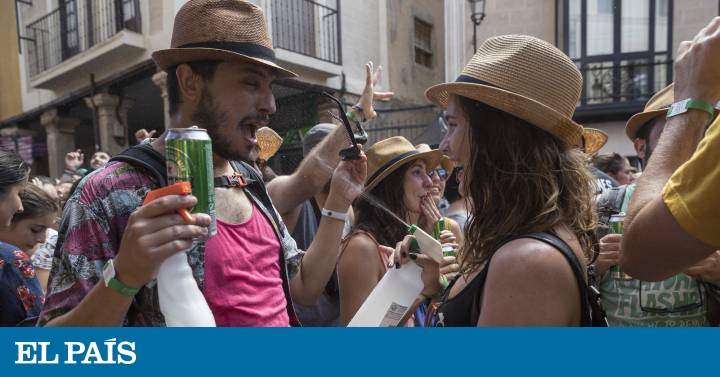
pixel 616 225
pixel 439 227
pixel 188 152
pixel 447 250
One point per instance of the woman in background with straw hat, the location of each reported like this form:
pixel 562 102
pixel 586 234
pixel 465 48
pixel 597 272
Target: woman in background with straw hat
pixel 398 181
pixel 511 128
pixel 435 204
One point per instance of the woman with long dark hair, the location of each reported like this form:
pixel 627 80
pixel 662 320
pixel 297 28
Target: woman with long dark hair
pixel 31 230
pixel 398 181
pixel 20 295
pixel 511 128
pixel 13 178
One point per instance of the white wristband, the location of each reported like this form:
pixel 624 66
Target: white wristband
pixel 335 215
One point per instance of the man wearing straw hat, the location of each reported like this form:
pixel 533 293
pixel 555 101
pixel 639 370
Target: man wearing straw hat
pixel 677 195
pixel 592 141
pixel 220 71
pixel 680 300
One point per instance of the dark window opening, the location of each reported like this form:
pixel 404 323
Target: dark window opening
pixel 423 43
pixel 622 47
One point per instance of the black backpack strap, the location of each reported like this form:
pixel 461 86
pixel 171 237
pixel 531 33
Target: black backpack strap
pixel 591 311
pixel 255 183
pixel 145 156
pixel 570 256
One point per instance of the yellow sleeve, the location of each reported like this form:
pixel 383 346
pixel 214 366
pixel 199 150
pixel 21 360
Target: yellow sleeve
pixel 693 192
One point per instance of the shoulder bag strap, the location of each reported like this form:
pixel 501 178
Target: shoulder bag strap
pixel 147 157
pixel 567 252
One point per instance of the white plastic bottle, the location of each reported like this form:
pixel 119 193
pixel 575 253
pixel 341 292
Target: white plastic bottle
pixel 396 292
pixel 181 301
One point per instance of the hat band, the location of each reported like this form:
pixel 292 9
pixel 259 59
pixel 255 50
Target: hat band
pixel 390 163
pixel 252 50
pixel 472 80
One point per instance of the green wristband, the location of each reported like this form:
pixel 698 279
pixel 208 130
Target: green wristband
pixel 681 107
pixel 118 286
pixel 108 274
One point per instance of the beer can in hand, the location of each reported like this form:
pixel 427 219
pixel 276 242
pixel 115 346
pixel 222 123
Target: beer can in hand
pixel 188 152
pixel 616 225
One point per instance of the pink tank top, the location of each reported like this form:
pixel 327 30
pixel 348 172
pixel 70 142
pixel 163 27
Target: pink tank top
pixel 243 286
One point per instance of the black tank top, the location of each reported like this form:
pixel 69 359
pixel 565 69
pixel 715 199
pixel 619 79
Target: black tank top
pixel 463 310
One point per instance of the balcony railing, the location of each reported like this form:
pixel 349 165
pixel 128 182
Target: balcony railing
pixel 76 26
pixel 308 28
pixel 607 84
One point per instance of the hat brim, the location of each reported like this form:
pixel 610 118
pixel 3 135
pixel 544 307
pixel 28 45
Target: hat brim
pixel 269 143
pixel 535 113
pixel 431 158
pixel 594 140
pixel 638 120
pixel 173 56
pixel 447 164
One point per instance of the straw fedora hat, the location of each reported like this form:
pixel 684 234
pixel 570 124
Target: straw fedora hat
pixel 231 30
pixel 269 142
pixel 386 156
pixel 657 105
pixel 593 140
pixel 445 161
pixel 525 77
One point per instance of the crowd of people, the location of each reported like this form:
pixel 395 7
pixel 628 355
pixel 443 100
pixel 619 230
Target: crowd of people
pixel 537 221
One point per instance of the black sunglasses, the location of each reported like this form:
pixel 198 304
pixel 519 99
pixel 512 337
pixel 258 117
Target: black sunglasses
pixel 353 151
pixel 441 172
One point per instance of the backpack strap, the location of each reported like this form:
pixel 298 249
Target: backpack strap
pixel 145 156
pixel 255 183
pixel 590 310
pixel 236 180
pixel 572 259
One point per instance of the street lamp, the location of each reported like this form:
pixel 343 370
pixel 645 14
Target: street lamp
pixel 477 16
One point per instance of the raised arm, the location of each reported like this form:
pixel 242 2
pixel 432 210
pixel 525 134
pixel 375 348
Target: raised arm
pixel 320 258
pixel 655 245
pixel 289 192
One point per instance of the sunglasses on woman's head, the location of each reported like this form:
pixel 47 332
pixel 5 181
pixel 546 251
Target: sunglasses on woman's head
pixel 441 172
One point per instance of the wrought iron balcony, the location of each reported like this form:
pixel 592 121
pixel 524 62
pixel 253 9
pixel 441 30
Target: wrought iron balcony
pixel 628 85
pixel 76 26
pixel 308 28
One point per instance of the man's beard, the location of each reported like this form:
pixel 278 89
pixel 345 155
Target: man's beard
pixel 209 117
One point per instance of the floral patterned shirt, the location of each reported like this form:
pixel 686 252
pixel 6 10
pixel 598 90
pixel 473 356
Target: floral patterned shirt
pixel 91 228
pixel 43 255
pixel 21 297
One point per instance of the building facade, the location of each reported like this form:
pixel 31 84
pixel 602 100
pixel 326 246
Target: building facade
pixel 79 73
pixel 624 48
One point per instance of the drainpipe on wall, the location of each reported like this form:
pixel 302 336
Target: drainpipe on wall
pixel 93 108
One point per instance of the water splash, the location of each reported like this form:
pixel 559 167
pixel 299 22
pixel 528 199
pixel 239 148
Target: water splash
pixel 375 202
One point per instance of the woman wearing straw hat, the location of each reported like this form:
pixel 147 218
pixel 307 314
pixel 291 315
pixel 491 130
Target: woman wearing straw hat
pixel 435 204
pixel 511 128
pixel 398 181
